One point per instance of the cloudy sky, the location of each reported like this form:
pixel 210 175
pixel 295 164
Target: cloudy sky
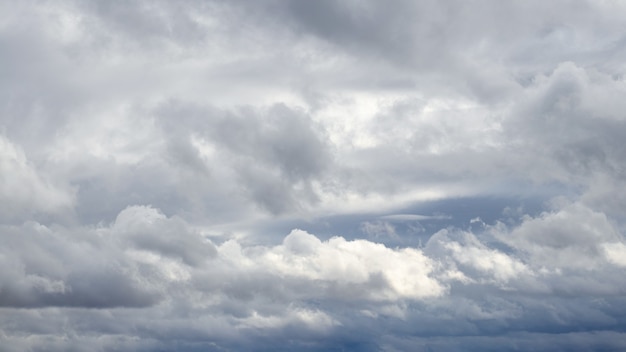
pixel 312 175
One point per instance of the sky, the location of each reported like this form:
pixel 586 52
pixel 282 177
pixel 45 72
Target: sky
pixel 293 175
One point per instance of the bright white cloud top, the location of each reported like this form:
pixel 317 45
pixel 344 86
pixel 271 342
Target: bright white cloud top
pixel 312 175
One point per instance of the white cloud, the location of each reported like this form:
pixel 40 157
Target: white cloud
pixel 404 272
pixel 570 237
pixel 154 154
pixel 304 284
pixel 615 253
pixel 474 255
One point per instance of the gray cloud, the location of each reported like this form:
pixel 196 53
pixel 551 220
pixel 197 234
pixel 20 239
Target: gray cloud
pixel 275 153
pixel 457 285
pixel 304 175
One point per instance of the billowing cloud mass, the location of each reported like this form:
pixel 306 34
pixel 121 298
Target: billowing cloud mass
pixel 312 175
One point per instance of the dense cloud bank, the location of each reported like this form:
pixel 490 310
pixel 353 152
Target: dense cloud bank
pixel 312 175
pixel 148 281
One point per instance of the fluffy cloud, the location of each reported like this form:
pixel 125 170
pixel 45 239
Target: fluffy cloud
pixel 458 282
pixel 312 175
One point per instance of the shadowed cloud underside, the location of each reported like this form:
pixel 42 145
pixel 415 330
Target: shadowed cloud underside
pixel 312 175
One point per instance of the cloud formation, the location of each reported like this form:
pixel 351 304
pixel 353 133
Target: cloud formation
pixel 296 175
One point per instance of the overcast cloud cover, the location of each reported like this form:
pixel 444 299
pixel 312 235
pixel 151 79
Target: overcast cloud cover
pixel 312 175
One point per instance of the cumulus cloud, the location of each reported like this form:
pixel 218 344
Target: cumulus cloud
pixel 330 285
pixel 305 175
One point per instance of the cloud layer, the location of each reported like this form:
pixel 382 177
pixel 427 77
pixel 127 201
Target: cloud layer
pixel 296 175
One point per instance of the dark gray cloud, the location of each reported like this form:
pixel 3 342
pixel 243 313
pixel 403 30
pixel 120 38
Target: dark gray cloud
pixel 297 175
